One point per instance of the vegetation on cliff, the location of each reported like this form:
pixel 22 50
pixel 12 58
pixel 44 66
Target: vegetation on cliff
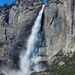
pixel 62 65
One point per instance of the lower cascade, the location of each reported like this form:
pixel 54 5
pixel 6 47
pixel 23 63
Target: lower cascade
pixel 29 60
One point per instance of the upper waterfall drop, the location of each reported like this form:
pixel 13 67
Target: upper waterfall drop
pixel 29 57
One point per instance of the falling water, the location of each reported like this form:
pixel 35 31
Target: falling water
pixel 28 59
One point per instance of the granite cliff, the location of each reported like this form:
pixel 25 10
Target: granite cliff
pixel 59 34
pixel 16 21
pixel 59 27
pixel 57 31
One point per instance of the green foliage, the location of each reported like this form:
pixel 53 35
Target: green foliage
pixel 67 69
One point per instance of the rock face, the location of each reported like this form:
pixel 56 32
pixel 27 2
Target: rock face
pixel 43 73
pixel 59 27
pixel 16 22
pixel 58 30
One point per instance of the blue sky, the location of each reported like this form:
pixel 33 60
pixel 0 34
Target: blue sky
pixel 44 1
pixel 2 2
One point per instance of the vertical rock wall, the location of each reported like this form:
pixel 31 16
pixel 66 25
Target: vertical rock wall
pixel 59 26
pixel 16 22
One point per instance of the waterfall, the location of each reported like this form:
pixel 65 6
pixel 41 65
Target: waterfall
pixel 28 59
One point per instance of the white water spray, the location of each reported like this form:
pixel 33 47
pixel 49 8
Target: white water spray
pixel 29 58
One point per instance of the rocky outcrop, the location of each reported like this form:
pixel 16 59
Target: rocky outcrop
pixel 59 27
pixel 43 73
pixel 2 73
pixel 59 34
pixel 16 21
